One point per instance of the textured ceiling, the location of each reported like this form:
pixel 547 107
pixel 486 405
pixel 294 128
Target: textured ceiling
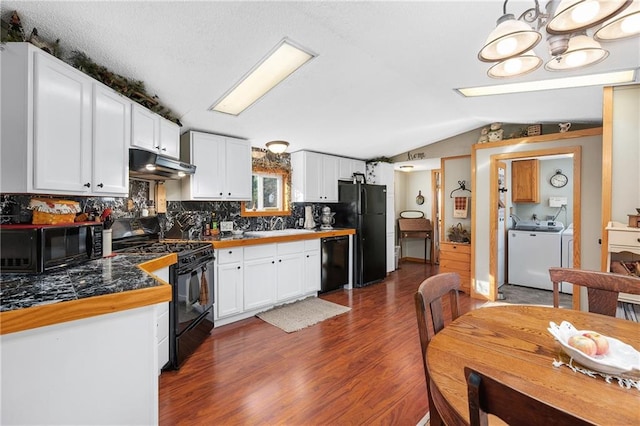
pixel 382 82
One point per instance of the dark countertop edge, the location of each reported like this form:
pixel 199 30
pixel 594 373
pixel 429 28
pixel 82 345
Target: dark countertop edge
pixel 71 310
pixel 251 241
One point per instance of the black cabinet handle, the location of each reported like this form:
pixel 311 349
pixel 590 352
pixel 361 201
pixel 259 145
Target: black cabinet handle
pixel 164 149
pixel 280 260
pixel 221 193
pixel 230 251
pixel 229 194
pixel 100 185
pixel 238 267
pixel 88 185
pixel 273 261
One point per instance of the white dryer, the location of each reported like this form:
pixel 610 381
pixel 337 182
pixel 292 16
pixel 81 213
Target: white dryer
pixel 567 256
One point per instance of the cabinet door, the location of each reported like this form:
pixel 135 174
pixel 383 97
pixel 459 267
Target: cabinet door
pixel 207 154
pixel 289 276
pixel 229 300
pixel 330 170
pixel 313 177
pixel 312 271
pixel 238 169
pixel 111 137
pixel 144 128
pixel 259 283
pixel 524 181
pixel 169 138
pixel 62 127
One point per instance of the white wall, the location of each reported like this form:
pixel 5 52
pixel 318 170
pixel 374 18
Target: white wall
pixel 625 195
pixel 455 169
pixel 548 168
pixel 591 194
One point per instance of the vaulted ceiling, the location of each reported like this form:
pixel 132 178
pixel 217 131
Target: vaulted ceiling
pixel 382 84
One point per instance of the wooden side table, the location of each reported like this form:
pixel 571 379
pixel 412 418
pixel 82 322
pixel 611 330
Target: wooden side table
pixel 417 228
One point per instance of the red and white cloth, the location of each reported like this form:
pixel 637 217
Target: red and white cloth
pixel 460 207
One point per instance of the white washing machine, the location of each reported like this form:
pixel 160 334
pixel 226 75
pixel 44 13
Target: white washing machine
pixel 567 256
pixel 531 254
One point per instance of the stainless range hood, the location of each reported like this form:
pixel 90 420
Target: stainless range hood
pixel 152 166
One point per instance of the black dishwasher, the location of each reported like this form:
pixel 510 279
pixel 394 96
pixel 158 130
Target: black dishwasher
pixel 335 263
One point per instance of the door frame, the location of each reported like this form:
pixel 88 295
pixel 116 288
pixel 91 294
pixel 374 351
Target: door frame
pixel 576 151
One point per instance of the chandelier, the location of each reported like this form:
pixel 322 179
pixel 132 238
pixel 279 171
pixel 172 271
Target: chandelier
pixel 565 24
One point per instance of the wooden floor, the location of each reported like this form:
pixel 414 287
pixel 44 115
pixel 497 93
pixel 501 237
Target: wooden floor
pixel 362 367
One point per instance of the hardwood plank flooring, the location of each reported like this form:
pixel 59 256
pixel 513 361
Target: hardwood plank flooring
pixel 362 367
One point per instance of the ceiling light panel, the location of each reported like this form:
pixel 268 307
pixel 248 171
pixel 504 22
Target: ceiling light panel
pixel 617 77
pixel 283 60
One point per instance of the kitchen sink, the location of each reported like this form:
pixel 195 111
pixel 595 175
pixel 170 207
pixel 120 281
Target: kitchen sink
pixel 278 233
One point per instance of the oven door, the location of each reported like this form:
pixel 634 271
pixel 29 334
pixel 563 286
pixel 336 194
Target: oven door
pixel 194 296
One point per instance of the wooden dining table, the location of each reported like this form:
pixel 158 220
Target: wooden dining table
pixel 511 343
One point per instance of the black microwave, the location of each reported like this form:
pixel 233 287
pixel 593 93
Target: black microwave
pixel 42 248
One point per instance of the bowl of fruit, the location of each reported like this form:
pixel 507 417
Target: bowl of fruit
pixel 595 351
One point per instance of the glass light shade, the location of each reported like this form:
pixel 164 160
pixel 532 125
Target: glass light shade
pixel 520 65
pixel 577 15
pixel 277 147
pixel 510 38
pixel 624 25
pixel 582 51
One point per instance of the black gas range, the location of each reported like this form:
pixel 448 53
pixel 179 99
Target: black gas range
pixel 192 278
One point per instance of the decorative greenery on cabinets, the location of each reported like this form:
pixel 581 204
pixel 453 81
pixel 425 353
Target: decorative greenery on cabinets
pixel 12 31
pixel 371 167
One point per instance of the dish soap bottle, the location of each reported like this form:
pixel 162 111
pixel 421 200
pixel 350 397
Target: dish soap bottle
pixel 214 225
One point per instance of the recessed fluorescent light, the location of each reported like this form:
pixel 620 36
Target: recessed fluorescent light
pixel 280 63
pixel 616 77
pixel 406 167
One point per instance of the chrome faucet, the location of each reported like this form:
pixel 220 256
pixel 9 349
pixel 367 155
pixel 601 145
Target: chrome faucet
pixel 273 223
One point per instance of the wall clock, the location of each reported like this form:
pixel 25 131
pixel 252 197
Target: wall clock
pixel 559 179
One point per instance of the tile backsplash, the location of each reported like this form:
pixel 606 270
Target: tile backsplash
pixel 14 208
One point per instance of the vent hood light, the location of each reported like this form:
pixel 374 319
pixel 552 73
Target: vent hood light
pixel 152 166
pixel 617 77
pixel 274 68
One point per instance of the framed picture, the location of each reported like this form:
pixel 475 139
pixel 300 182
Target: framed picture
pixel 534 129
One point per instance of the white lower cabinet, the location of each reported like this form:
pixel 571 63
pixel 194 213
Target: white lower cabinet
pixel 290 267
pixel 312 266
pixel 259 276
pixel 255 278
pixel 229 283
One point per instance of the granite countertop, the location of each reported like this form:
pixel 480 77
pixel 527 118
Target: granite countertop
pixel 101 286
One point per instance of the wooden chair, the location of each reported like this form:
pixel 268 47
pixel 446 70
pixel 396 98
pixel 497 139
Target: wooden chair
pixel 428 302
pixel 603 288
pixel 488 396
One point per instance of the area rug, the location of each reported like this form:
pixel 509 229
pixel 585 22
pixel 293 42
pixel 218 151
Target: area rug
pixel 301 314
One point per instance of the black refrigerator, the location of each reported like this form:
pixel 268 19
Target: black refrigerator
pixel 364 207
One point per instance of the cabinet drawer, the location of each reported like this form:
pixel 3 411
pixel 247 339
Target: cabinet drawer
pixel 458 256
pixel 229 255
pixel 311 245
pixel 454 266
pixel 624 238
pixel 290 248
pixel 259 252
pixel 455 248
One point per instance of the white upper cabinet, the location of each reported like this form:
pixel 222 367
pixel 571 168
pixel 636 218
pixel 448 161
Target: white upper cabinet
pixel 349 166
pixel 54 132
pixel 151 132
pixel 223 167
pixel 111 137
pixel 314 177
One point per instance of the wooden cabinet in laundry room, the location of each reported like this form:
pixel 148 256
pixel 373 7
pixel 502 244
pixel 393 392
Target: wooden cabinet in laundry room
pixel 525 181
